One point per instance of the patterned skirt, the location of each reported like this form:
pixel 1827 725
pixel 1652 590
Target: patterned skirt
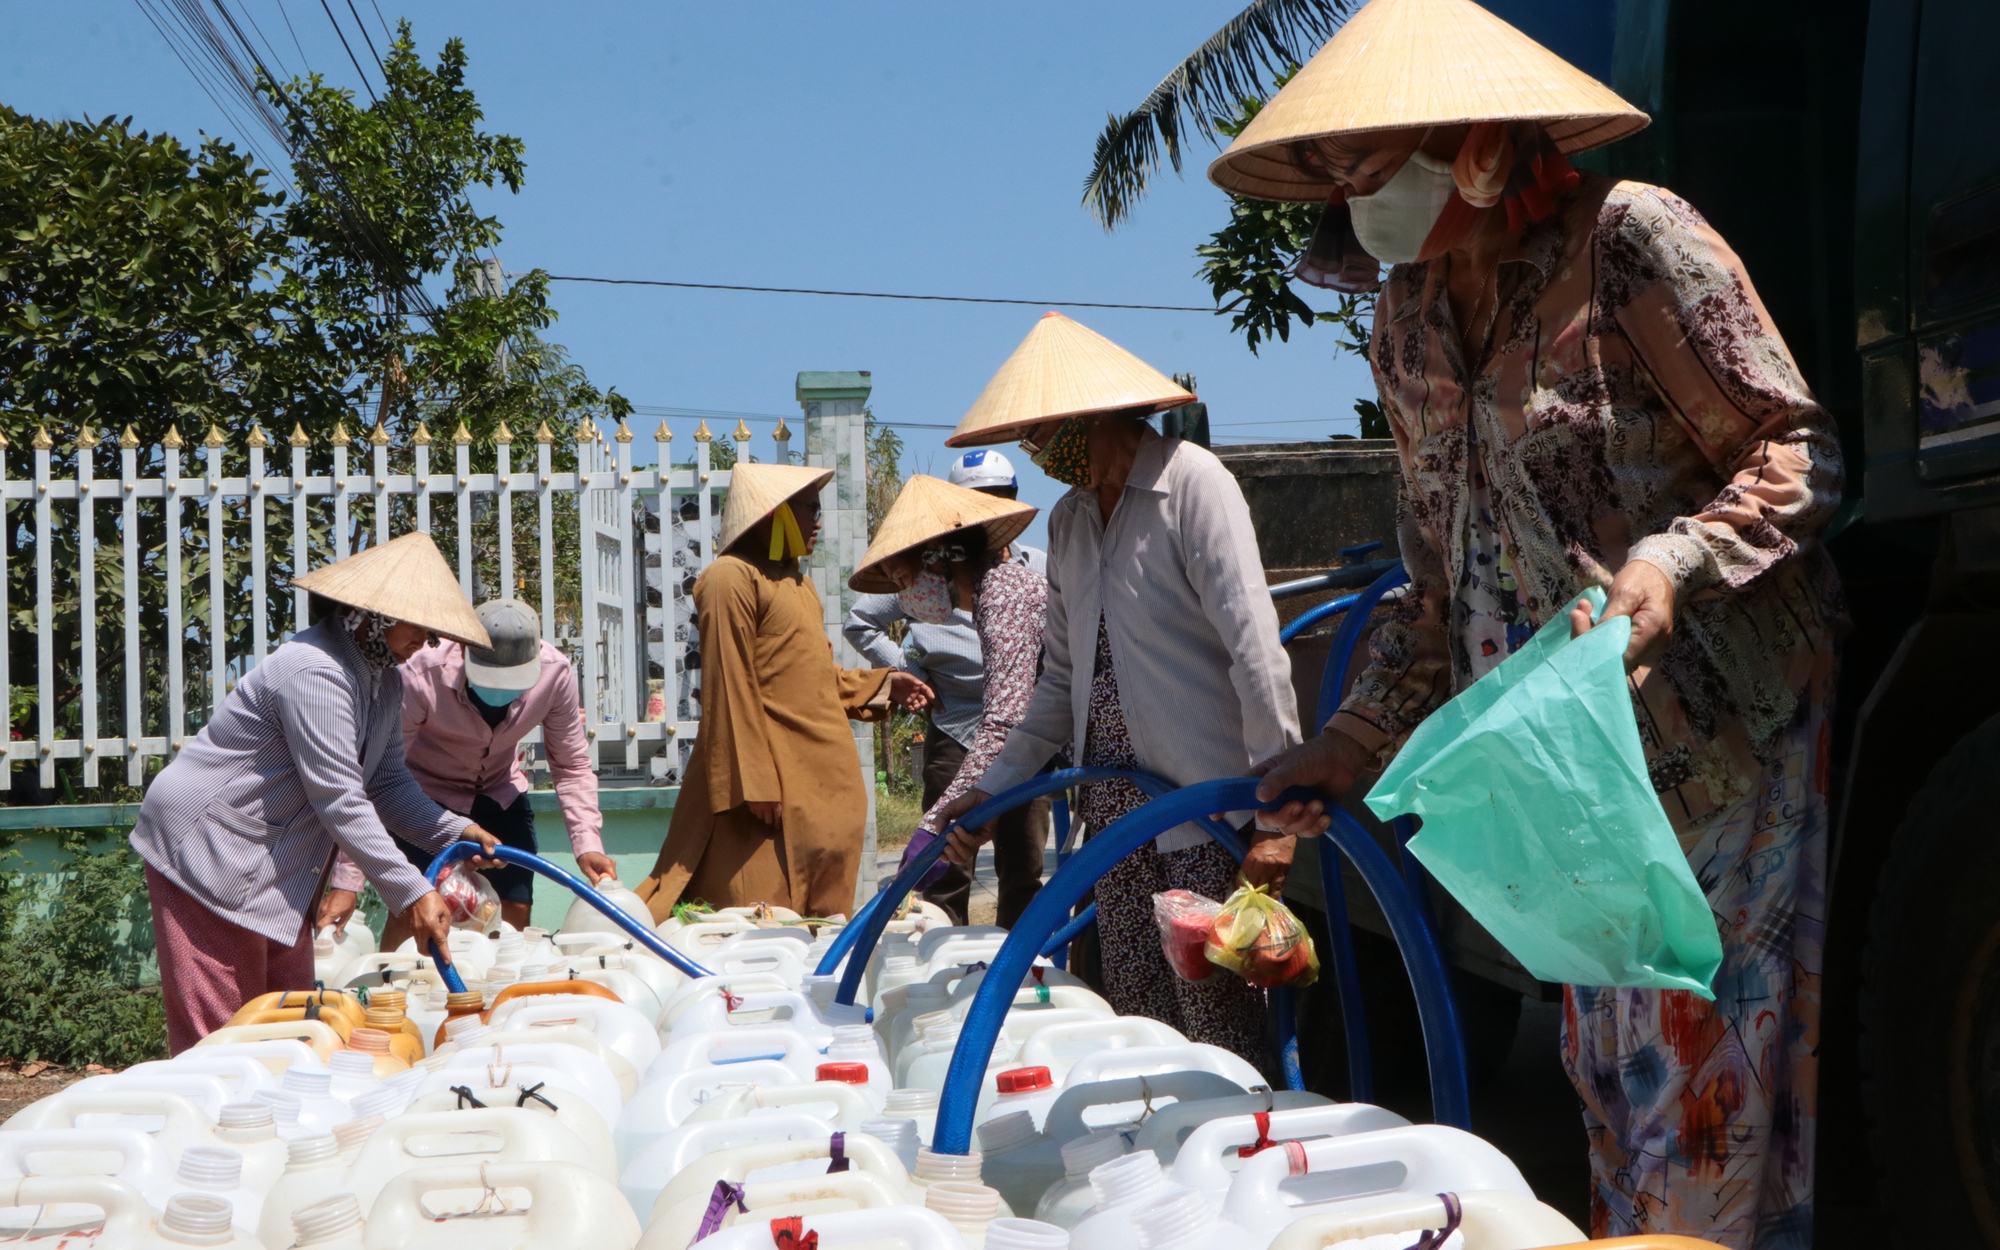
pixel 1224 1010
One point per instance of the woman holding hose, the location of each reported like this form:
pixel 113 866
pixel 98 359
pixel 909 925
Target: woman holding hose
pixel 943 549
pixel 1161 652
pixel 303 759
pixel 1586 391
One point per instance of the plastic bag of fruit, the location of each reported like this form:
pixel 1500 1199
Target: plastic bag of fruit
pixel 1258 938
pixel 473 902
pixel 1184 918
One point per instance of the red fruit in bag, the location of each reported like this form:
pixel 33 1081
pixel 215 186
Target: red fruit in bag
pixel 1185 919
pixel 1258 938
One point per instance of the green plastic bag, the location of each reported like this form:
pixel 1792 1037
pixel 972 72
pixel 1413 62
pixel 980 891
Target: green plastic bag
pixel 1539 818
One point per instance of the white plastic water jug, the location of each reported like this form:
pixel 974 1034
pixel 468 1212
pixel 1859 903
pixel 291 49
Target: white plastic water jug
pixel 1169 1126
pixel 514 1041
pixel 275 1055
pixel 1207 1160
pixel 582 917
pixel 123 1154
pixel 173 1121
pixel 565 1206
pixel 900 1136
pixel 676 1228
pixel 1070 1197
pixel 506 1081
pixel 329 1224
pixel 844 1106
pixel 1017 1160
pixel 217 1172
pixel 934 1168
pixel 241 1075
pixel 319 1109
pixel 1487 1221
pixel 204 1091
pixel 617 1026
pixel 1122 1187
pixel 660 1106
pixel 1315 1177
pixel 496 1135
pixel 967 1207
pixel 1030 1089
pixel 334 949
pixel 661 977
pixel 699 989
pixel 1044 986
pixel 808 1156
pixel 1128 1100
pixel 313 1170
pixel 251 1131
pixel 651 1170
pixel 920 1014
pixel 753 1007
pixel 917 1105
pixel 130 1223
pixel 573 1114
pixel 911 1227
pixel 1182 1219
pixel 1060 1045
pixel 1018 1234
pixel 380 968
pixel 1150 1061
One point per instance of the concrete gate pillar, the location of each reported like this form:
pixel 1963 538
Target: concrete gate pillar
pixel 836 438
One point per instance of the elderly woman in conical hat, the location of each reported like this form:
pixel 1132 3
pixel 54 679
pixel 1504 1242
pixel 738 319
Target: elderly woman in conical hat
pixel 1161 651
pixel 303 759
pixel 1586 391
pixel 941 550
pixel 772 808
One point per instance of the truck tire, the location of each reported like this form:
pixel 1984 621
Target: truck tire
pixel 1930 1006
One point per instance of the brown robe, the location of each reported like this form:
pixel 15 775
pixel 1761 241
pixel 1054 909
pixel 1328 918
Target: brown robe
pixel 774 713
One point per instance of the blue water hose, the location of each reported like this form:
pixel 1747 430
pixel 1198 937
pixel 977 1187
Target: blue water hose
pixel 1051 907
pixel 1314 615
pixel 861 934
pixel 570 881
pixel 1058 943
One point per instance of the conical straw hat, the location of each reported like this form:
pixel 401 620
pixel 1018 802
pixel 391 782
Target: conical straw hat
pixel 930 508
pixel 756 490
pixel 405 579
pixel 1407 63
pixel 1063 369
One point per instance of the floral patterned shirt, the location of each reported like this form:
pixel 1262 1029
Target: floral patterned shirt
pixel 1636 403
pixel 1009 611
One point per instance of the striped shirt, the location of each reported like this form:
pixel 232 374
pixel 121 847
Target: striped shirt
pixel 303 757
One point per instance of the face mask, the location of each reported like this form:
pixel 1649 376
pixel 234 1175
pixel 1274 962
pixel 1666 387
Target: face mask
pixel 1066 458
pixel 494 698
pixel 928 599
pixel 1394 222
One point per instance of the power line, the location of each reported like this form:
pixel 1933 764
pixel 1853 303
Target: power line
pixel 945 299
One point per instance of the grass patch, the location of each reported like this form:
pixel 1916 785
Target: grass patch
pixel 897 811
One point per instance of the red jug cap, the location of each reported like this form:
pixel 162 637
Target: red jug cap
pixel 1022 1080
pixel 845 1073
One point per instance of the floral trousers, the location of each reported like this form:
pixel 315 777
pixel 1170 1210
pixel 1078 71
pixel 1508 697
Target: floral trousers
pixel 1701 1114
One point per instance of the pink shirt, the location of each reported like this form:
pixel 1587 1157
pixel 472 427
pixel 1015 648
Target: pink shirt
pixel 455 756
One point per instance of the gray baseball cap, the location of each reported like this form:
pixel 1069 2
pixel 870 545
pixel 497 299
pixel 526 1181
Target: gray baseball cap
pixel 514 661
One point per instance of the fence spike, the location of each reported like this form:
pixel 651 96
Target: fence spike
pixel 701 434
pixel 503 436
pixel 586 431
pixel 663 434
pixel 42 440
pixel 422 437
pixel 545 434
pixel 257 436
pixel 341 437
pixel 86 438
pixel 742 431
pixel 461 436
pixel 379 436
pixel 783 431
pixel 299 436
pixel 128 440
pixel 173 441
pixel 624 431
pixel 214 438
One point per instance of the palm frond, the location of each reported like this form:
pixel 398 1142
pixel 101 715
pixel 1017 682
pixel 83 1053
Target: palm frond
pixel 1232 65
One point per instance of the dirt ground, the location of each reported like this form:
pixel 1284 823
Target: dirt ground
pixel 21 1084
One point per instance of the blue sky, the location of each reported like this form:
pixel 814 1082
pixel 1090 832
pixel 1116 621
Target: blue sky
pixel 932 148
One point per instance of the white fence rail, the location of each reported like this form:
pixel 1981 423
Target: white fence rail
pixel 642 534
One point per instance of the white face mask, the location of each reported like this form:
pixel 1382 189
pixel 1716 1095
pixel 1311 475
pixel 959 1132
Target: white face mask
pixel 1394 222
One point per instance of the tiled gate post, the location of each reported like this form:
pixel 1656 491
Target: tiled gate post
pixel 836 438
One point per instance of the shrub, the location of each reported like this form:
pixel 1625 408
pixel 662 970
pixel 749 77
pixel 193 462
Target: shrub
pixel 73 945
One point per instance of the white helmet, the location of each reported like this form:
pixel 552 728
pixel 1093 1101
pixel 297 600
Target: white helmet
pixel 983 467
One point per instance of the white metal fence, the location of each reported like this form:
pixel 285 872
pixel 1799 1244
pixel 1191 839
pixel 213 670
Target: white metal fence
pixel 641 536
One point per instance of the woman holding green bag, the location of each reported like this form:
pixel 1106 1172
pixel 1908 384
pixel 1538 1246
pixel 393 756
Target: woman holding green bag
pixel 1585 391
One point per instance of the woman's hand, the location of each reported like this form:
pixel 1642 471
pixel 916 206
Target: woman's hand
pixel 430 922
pixel 962 845
pixel 1270 858
pixel 772 814
pixel 909 693
pixel 1327 762
pixel 489 845
pixel 1642 592
pixel 596 866
pixel 336 908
